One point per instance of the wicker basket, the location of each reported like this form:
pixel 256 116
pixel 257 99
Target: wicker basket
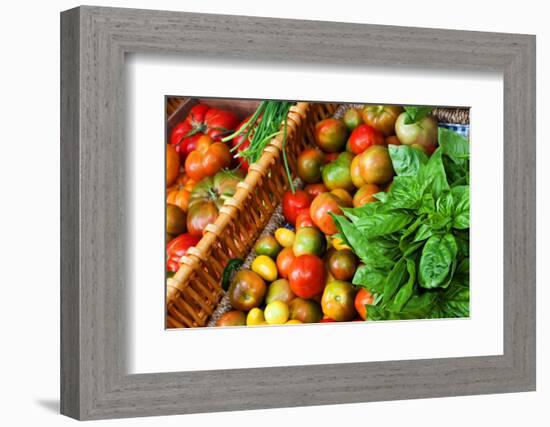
pixel 194 291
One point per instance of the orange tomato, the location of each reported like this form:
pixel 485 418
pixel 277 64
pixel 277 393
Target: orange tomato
pixel 180 192
pixel 172 165
pixel 207 158
pixel 284 260
pixel 320 210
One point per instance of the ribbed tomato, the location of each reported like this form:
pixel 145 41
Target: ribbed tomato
pixel 207 158
pixel 201 120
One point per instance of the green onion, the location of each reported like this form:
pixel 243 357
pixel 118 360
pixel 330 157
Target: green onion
pixel 271 115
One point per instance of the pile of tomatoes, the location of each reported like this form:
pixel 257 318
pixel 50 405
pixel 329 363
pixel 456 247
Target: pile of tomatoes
pixel 198 177
pixel 303 273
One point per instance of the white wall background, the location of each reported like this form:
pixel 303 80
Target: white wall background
pixel 29 224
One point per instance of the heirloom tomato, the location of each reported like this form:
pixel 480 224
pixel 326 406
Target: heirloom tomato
pixel 309 165
pixel 207 158
pixel 352 118
pixel 309 240
pixel 207 197
pixel 421 133
pixel 331 135
pixel 342 264
pixel 375 165
pixel 381 117
pixel 232 318
pixel 338 301
pixel 337 173
pixel 305 310
pixel 247 290
pixel 320 210
pixel 201 120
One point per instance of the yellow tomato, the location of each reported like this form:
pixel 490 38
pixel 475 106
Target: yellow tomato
pixel 265 267
pixel 285 237
pixel 276 313
pixel 255 317
pixel 293 322
pixel 339 244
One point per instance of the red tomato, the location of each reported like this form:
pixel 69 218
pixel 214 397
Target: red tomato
pixel 201 120
pixel 304 219
pixel 363 297
pixel 363 137
pixel 315 189
pixel 176 248
pixel 327 320
pixel 307 276
pixel 293 203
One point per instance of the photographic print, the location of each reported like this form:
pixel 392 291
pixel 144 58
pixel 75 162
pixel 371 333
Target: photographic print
pixel 332 212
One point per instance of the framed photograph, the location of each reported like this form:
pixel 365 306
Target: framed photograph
pixel 295 213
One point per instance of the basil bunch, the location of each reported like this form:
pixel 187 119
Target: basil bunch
pixel 414 241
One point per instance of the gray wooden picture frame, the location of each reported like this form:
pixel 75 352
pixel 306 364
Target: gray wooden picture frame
pixel 94 41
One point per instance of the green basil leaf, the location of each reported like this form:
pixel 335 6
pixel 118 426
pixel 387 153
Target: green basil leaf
pixel 456 174
pixel 419 306
pixel 434 174
pixel 382 196
pixel 411 248
pixel 371 278
pixel 461 196
pixel 415 114
pixel 406 160
pixel 405 193
pixel 371 253
pixel 374 312
pixel 424 232
pixel 382 224
pixel 394 280
pixel 454 145
pixel 438 255
pixel 406 291
pixel 453 302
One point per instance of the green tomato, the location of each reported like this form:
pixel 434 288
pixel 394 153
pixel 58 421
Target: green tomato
pixel 421 133
pixel 309 240
pixel 337 174
pixel 269 246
